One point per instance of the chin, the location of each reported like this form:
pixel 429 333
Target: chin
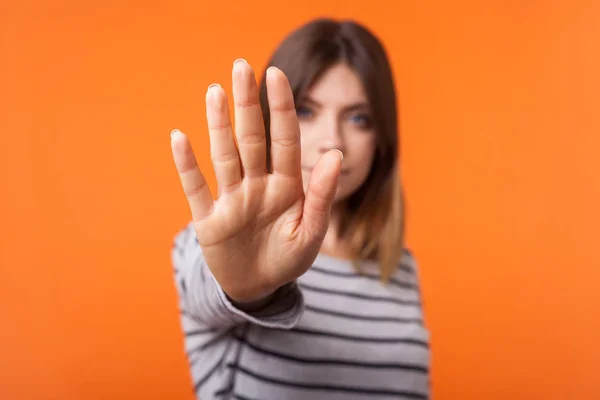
pixel 342 193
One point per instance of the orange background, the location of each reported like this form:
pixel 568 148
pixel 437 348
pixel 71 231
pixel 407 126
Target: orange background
pixel 501 138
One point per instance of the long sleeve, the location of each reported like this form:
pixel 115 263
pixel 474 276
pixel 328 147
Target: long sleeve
pixel 356 337
pixel 203 300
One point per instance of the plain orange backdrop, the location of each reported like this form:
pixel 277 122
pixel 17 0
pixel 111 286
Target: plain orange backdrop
pixel 500 147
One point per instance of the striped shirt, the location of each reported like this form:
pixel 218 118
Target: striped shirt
pixel 335 335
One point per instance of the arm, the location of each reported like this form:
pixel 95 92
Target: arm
pixel 203 299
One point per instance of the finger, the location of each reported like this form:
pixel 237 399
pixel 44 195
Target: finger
pixel 249 125
pixel 192 180
pixel 285 132
pixel 320 193
pixel 223 151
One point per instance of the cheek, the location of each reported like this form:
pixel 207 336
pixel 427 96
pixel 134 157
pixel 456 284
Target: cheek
pixel 307 142
pixel 364 149
pixel 305 148
pixel 364 153
pixel 310 147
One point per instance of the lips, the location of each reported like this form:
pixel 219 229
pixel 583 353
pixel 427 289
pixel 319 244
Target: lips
pixel 345 171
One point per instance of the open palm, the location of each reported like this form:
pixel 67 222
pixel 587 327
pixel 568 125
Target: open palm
pixel 263 230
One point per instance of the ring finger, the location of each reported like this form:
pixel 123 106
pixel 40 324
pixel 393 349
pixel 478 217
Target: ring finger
pixel 223 151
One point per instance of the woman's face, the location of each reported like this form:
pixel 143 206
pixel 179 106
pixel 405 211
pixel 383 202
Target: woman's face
pixel 335 114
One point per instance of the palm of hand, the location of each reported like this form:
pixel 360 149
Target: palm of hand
pixel 262 231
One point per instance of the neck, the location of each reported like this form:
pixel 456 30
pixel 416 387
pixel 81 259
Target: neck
pixel 333 245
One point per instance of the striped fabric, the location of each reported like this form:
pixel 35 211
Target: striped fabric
pixel 337 335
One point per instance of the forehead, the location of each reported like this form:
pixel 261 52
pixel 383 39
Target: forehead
pixel 338 86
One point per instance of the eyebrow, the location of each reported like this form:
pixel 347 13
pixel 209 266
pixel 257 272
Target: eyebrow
pixel 352 107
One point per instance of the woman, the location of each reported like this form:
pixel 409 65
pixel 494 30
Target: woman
pixel 294 283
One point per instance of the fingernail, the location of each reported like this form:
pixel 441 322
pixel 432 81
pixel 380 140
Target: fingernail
pixel 341 154
pixel 175 132
pixel 213 85
pixel 239 60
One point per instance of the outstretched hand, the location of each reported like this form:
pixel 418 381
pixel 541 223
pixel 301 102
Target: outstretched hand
pixel 262 231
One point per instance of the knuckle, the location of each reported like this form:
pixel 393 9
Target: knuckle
pixel 285 141
pixel 247 102
pixel 252 138
pixel 225 157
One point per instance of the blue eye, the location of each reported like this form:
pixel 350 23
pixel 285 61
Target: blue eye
pixel 362 120
pixel 303 112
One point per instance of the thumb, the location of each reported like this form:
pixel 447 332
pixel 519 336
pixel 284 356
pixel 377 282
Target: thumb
pixel 322 187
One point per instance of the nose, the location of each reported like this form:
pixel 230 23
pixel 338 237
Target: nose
pixel 332 135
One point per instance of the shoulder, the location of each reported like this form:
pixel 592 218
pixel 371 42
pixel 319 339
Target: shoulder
pixel 408 262
pixel 407 269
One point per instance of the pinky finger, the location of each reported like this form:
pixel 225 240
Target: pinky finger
pixel 192 180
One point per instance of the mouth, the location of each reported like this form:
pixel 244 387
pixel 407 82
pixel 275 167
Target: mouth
pixel 344 171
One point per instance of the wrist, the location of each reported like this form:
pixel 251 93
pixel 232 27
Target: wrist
pixel 253 305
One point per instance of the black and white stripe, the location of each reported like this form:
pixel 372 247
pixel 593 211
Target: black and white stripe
pixel 331 362
pixel 344 335
pixel 257 381
pixel 357 295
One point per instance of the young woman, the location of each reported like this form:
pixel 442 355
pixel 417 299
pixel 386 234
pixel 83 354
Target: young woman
pixel 294 283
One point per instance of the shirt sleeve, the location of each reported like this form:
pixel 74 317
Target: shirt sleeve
pixel 203 299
